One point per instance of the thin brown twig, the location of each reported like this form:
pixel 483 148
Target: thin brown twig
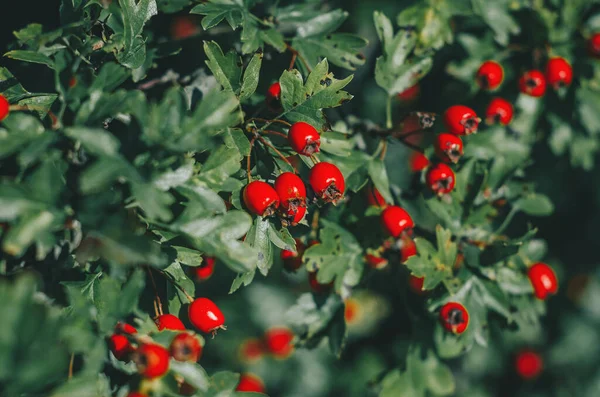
pixel 294 51
pixel 293 61
pixel 158 307
pixel 383 150
pixel 270 121
pixel 281 134
pixel 168 277
pixel 266 143
pixel 71 362
pixel 314 159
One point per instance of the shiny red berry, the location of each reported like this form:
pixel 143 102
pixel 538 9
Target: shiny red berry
pixel 205 315
pixel 291 192
pixel 185 347
pixel 407 249
pixel 410 94
pixel 304 138
pixel 151 360
pixel 169 322
pixel 396 221
pixel 119 343
pixel 454 317
pixel 461 120
pixel 206 268
pixel 316 286
pixel 490 75
pixel 251 350
pixel 418 162
pixel 327 182
pixel 416 284
pixel 594 45
pixel 528 364
pixel 292 261
pixel 261 198
pixel 251 383
pixel 559 72
pixel 448 147
pixel 533 83
pixel 543 279
pixel 374 198
pixel 279 342
pixel 4 107
pixel 499 111
pixel 273 97
pixel 440 179
pixel 376 262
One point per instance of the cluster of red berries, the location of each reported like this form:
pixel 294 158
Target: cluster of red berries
pixel 559 73
pixel 277 342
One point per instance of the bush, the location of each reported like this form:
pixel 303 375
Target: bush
pixel 197 190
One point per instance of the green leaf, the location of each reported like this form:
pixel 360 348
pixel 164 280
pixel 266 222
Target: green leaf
pixel 496 15
pixel 215 11
pixel 175 296
pixel 378 174
pixel 30 56
pixel 227 69
pixel 135 16
pixel 95 140
pixel 242 279
pixel 26 231
pixel 305 102
pixel 193 374
pixel 535 204
pixel 258 237
pixel 15 93
pixel 251 77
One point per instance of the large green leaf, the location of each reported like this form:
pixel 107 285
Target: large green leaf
pixel 135 16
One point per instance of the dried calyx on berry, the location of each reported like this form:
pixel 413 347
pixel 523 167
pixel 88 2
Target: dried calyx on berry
pixel 292 195
pixel 454 317
pixel 448 147
pixel 327 182
pixel 261 198
pixel 461 120
pixel 441 179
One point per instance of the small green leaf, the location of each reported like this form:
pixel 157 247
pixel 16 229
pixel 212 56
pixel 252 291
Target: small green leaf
pixel 251 76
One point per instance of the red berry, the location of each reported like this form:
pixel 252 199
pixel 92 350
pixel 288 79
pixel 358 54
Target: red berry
pixel 416 284
pixel 418 162
pixel 292 196
pixel 410 94
pixel 396 221
pixel 4 107
pixel 528 364
pixel 206 268
pixel 136 394
pixel 124 328
pixel 183 27
pixel 374 197
pixel 151 360
pixel 205 315
pixel 273 97
pixel 533 83
pixel 251 350
pixel 72 81
pixel 251 383
pixel 499 111
pixel 594 45
pixel 454 317
pixel 559 72
pixel 292 261
pixel 408 249
pixel 448 147
pixel 490 75
pixel 316 286
pixel 461 120
pixel 543 279
pixel 169 322
pixel 327 182
pixel 440 179
pixel 119 343
pixel 261 198
pixel 376 262
pixel 186 347
pixel 351 310
pixel 304 138
pixel 279 342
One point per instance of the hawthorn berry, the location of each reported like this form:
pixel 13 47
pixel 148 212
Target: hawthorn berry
pixel 205 315
pixel 448 147
pixel 206 268
pixel 594 45
pixel 152 360
pixel 183 27
pixel 408 249
pixel 119 344
pixel 416 284
pixel 292 195
pixel 292 261
pixel 454 317
pixel 461 120
pixel 440 179
pixel 169 322
pixel 251 350
pixel 396 221
pixel 304 138
pixel 185 347
pixel 278 342
pixel 273 97
pixel 261 198
pixel 292 217
pixel 533 83
pixel 410 94
pixel 499 111
pixel 316 286
pixel 4 107
pixel 528 364
pixel 559 72
pixel 376 262
pixel 418 162
pixel 543 279
pixel 327 182
pixel 251 383
pixel 490 75
pixel 374 198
